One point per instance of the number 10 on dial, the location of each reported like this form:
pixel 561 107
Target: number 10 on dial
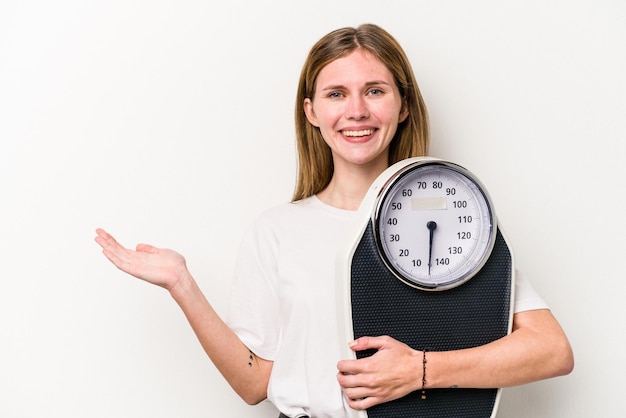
pixel 435 225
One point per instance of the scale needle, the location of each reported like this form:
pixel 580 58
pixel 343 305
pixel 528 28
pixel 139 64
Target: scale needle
pixel 431 225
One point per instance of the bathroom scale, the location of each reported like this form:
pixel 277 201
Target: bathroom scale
pixel 427 263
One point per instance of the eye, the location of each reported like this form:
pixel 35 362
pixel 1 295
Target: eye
pixel 375 92
pixel 334 94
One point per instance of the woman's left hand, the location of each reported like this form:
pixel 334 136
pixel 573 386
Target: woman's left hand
pixel 394 371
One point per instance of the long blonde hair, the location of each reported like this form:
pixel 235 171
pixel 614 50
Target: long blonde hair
pixel 315 162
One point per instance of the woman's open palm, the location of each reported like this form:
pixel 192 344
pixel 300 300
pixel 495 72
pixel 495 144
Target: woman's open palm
pixel 158 266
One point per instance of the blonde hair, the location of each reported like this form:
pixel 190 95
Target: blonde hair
pixel 315 162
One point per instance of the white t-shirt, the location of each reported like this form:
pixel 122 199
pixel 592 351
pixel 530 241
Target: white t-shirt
pixel 283 303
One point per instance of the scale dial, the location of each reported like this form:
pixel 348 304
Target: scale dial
pixel 435 225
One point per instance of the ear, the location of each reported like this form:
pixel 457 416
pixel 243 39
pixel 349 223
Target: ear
pixel 404 113
pixel 310 113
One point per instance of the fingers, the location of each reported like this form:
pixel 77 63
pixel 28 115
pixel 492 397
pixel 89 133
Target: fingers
pixel 361 403
pixel 145 248
pixel 349 367
pixel 359 397
pixel 361 344
pixel 380 377
pixel 116 253
pixel 106 240
pixel 366 343
pixel 101 236
pixel 359 393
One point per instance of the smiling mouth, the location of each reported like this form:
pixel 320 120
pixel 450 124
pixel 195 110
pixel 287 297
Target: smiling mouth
pixel 362 132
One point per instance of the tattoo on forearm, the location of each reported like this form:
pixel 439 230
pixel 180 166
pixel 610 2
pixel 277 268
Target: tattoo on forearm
pixel 251 358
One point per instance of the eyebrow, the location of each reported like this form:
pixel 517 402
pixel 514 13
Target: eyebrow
pixel 368 84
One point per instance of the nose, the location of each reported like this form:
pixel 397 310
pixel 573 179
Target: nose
pixel 357 108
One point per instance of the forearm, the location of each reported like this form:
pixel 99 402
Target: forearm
pixel 536 349
pixel 245 372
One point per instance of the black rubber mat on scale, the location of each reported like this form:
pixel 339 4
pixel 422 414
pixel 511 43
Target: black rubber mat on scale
pixel 470 315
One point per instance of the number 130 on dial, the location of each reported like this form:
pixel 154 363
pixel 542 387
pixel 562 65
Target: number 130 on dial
pixel 434 225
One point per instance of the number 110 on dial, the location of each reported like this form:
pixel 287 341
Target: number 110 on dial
pixel 435 225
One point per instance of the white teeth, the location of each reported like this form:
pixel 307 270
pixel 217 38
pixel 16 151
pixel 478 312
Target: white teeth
pixel 362 132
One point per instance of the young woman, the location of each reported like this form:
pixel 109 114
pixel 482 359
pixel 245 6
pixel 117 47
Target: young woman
pixel 358 110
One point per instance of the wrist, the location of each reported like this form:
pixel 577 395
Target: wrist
pixel 183 285
pixel 423 380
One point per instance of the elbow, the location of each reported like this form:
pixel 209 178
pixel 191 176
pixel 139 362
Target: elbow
pixel 253 399
pixel 558 357
pixel 252 396
pixel 562 359
pixel 566 362
pixel 254 391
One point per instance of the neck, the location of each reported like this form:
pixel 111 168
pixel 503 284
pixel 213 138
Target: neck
pixel 348 187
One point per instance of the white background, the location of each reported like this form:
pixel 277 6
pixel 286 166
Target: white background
pixel 171 122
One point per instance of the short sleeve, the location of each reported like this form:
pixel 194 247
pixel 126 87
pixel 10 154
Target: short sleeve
pixel 254 313
pixel 526 297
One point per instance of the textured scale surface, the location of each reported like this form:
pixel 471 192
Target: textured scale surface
pixel 469 315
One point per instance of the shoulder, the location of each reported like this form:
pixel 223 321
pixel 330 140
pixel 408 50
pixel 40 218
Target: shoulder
pixel 277 220
pixel 308 210
pixel 306 218
pixel 283 213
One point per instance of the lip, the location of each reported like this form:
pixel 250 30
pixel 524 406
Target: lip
pixel 357 134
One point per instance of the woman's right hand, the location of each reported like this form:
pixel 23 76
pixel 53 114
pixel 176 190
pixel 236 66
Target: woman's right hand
pixel 158 266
